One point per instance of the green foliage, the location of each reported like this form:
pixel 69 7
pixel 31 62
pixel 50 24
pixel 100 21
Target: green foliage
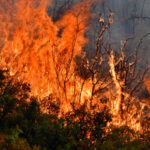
pixel 24 127
pixel 123 139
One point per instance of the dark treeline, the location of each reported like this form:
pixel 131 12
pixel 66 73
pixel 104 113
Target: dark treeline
pixel 23 126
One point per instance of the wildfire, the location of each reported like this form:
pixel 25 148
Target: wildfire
pixel 38 50
pixel 42 52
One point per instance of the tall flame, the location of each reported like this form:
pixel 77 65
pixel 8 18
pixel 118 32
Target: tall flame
pixel 37 50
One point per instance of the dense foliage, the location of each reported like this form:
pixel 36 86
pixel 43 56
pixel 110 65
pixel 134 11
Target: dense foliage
pixel 24 127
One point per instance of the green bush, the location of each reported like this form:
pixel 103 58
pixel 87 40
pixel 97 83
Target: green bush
pixel 24 127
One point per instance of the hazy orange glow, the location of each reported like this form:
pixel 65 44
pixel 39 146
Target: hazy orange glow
pixel 147 83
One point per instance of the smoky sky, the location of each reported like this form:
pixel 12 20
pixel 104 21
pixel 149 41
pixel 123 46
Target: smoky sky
pixel 131 19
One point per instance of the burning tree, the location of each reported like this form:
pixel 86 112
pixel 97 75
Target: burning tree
pixel 120 84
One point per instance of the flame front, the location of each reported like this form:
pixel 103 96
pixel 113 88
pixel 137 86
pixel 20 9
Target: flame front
pixel 32 47
pixel 42 52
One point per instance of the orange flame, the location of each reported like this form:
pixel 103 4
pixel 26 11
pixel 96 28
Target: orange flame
pixel 33 50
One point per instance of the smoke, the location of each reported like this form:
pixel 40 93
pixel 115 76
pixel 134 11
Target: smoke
pixel 131 19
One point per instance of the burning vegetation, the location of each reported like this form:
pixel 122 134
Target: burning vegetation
pixel 51 56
